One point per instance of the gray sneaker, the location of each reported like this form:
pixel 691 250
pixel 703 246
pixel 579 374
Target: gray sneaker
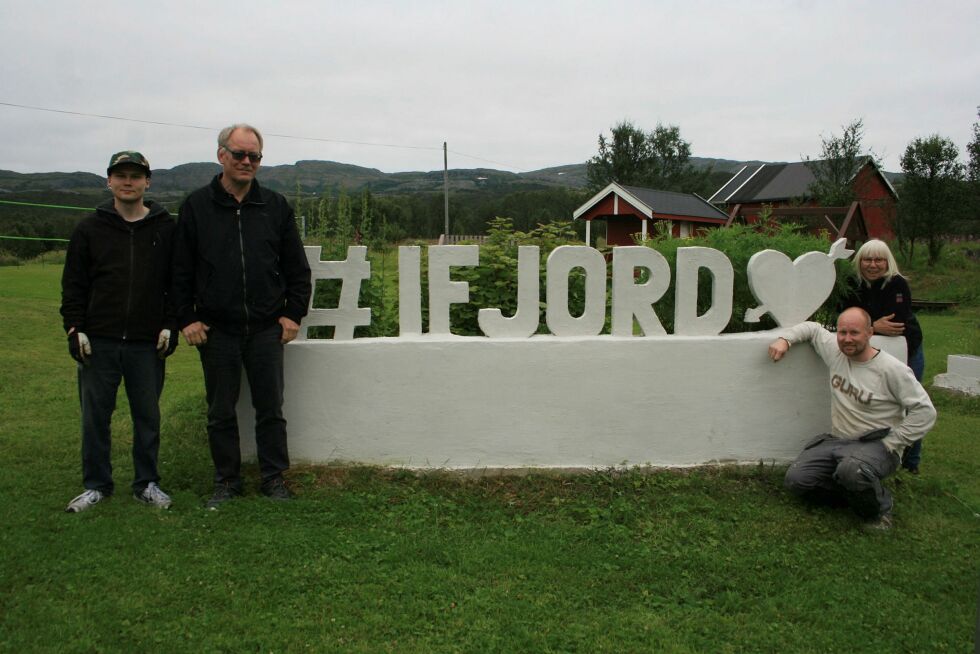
pixel 86 500
pixel 882 523
pixel 153 496
pixel 222 493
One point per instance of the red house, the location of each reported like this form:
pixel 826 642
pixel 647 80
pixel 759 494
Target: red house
pixel 787 185
pixel 629 210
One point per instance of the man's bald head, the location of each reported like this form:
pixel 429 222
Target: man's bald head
pixel 854 330
pixel 855 313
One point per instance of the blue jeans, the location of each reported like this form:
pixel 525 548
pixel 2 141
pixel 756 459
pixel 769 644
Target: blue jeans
pixel 222 357
pixel 831 468
pixel 913 456
pixel 98 383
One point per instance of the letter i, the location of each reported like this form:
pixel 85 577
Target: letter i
pixel 409 290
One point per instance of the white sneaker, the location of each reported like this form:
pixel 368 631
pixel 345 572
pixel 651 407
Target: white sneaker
pixel 153 496
pixel 86 500
pixel 882 523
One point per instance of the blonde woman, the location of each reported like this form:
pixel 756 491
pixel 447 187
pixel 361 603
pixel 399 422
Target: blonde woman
pixel 879 288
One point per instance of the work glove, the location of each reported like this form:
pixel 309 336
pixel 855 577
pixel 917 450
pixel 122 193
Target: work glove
pixel 79 347
pixel 166 344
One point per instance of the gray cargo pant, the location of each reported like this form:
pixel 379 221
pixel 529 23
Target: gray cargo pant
pixel 831 468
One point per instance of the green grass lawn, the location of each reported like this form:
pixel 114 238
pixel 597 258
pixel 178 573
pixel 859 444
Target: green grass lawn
pixel 369 560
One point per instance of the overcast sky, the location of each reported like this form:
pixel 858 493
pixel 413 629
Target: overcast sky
pixel 512 85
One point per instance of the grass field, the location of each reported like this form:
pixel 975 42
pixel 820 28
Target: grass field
pixel 369 560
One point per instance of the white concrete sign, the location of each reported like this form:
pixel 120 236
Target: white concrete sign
pixel 524 322
pixel 570 399
pixel 962 374
pixel 792 290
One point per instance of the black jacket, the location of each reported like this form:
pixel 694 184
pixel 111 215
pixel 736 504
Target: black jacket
pixel 239 266
pixel 880 299
pixel 117 275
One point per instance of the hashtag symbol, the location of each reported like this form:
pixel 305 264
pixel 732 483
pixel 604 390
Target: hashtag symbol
pixel 351 273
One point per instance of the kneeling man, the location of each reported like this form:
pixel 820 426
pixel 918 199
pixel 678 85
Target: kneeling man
pixel 877 410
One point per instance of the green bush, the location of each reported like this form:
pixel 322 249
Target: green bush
pixel 9 258
pixel 51 257
pixel 380 292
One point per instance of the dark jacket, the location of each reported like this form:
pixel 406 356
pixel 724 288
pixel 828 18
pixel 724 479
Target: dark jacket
pixel 117 275
pixel 880 299
pixel 239 267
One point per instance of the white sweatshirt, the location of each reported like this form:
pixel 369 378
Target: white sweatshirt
pixel 881 392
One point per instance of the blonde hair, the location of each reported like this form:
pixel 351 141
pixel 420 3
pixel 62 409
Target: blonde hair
pixel 225 134
pixel 876 249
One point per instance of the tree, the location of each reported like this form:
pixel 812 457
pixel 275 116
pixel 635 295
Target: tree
pixel 366 226
pixel 973 185
pixel 324 217
pixel 660 160
pixel 931 194
pixel 673 170
pixel 300 211
pixel 973 151
pixel 840 159
pixel 344 230
pixel 624 158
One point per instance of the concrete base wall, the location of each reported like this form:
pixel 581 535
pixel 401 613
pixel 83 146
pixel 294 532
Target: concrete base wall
pixel 550 402
pixel 962 374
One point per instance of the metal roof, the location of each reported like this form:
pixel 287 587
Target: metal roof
pixel 771 182
pixel 735 183
pixel 678 204
pixel 651 202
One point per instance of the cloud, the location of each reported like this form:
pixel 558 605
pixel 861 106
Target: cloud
pixel 523 84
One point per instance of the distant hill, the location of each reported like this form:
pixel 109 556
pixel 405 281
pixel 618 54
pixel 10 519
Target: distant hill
pixel 315 177
pixel 11 182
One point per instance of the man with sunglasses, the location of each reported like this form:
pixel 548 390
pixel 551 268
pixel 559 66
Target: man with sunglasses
pixel 241 287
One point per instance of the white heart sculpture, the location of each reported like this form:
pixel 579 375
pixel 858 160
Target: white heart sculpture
pixel 792 290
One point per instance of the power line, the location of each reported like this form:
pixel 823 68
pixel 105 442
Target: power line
pixel 34 238
pixel 216 129
pixel 46 206
pixel 87 115
pixel 377 145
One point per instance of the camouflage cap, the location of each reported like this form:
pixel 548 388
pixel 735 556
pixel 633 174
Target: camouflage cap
pixel 128 157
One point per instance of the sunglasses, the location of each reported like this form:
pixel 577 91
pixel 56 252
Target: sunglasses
pixel 239 155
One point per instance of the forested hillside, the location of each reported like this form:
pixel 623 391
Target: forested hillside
pixel 396 205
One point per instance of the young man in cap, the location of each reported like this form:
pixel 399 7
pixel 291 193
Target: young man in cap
pixel 115 310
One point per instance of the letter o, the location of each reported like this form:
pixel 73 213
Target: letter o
pixel 561 261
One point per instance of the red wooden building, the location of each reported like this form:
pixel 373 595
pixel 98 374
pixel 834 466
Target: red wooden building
pixel 787 185
pixel 629 210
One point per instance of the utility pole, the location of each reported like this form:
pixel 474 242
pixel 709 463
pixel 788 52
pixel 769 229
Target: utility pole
pixel 445 184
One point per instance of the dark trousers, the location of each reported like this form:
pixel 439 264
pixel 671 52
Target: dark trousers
pixel 913 455
pixel 838 468
pixel 222 358
pixel 137 364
